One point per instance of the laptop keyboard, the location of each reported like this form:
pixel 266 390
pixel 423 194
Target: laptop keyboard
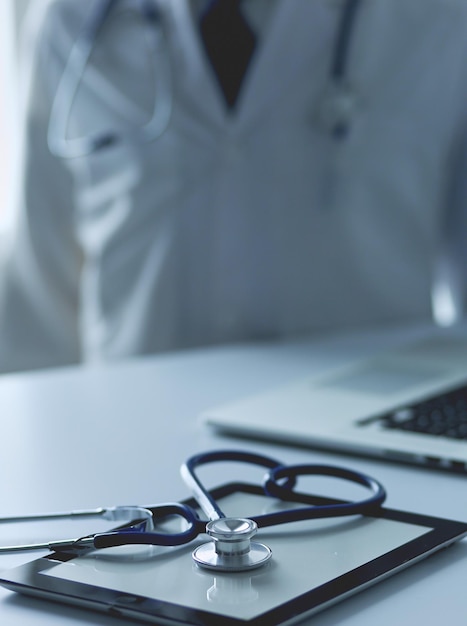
pixel 444 415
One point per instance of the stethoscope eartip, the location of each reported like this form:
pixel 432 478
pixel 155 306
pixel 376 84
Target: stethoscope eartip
pixel 231 548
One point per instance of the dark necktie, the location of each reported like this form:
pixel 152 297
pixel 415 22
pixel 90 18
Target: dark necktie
pixel 229 42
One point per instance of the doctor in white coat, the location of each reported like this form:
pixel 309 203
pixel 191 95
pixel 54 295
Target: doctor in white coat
pixel 287 211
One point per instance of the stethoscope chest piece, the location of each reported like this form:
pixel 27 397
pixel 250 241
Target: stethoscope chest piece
pixel 336 109
pixel 231 548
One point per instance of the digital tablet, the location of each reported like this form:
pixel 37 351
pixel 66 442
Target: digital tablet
pixel 315 564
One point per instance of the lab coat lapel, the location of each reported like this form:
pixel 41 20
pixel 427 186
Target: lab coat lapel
pixel 298 31
pixel 196 83
pixel 290 41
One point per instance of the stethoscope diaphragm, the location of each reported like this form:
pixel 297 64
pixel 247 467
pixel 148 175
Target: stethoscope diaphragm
pixel 231 548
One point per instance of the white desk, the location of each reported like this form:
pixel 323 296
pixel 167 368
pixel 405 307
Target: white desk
pixel 80 438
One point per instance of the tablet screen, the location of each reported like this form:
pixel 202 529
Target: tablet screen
pixel 314 564
pixel 306 555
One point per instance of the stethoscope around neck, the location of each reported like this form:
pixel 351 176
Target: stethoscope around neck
pixel 334 111
pixel 336 106
pixel 155 34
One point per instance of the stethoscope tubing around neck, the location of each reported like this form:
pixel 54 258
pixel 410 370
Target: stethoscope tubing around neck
pixel 340 59
pixel 336 108
pixel 64 147
pixel 57 136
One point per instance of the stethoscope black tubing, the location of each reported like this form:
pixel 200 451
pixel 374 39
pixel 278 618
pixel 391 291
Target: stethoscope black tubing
pixel 273 488
pixel 215 456
pixel 278 483
pixel 339 64
pixel 137 535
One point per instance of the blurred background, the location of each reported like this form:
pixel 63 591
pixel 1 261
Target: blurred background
pixel 11 18
pixel 11 15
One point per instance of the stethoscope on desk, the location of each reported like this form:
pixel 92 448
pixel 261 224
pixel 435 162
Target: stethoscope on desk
pixel 334 111
pixel 230 548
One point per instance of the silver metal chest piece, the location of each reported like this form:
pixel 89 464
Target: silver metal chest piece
pixel 231 549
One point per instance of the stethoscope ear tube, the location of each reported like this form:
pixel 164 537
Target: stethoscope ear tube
pixel 114 514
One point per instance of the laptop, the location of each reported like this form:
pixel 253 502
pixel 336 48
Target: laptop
pixel 408 404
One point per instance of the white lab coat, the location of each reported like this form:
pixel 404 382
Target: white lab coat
pixel 246 226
